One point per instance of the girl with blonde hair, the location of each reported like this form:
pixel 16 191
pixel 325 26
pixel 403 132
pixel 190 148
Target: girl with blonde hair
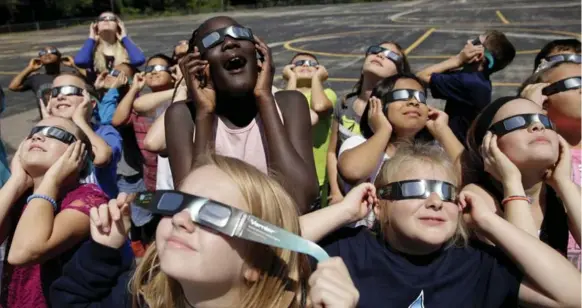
pixel 420 258
pixel 191 265
pixel 108 45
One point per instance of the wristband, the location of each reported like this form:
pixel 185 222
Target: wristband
pixel 47 198
pixel 512 198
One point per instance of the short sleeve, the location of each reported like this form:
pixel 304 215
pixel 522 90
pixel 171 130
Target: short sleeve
pixel 351 143
pixel 503 275
pixel 337 112
pixel 330 94
pixel 84 198
pixel 27 83
pixel 471 89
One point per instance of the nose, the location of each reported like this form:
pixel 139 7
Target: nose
pixel 434 201
pixel 37 137
pixel 229 43
pixel 182 221
pixel 412 102
pixel 536 127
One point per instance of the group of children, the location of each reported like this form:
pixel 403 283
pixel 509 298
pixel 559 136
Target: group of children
pixel 192 195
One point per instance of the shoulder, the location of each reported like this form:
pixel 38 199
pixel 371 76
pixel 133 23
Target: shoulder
pixel 83 198
pixel 351 143
pixel 331 95
pixel 288 97
pixel 344 239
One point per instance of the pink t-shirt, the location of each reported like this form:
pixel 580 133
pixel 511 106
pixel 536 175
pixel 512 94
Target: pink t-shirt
pixel 26 286
pixel 246 143
pixel 574 251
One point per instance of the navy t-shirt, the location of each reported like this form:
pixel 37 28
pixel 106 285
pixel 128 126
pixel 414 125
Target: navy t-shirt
pixel 466 93
pixel 474 276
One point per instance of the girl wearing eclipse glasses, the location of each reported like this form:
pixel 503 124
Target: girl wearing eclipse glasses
pixel 397 113
pixel 224 208
pixel 44 209
pixel 521 168
pixel 421 257
pixel 107 46
pixel 229 75
pixel 381 61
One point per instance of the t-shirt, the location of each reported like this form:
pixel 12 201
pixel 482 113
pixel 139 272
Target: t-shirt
pixel 348 119
pixel 321 133
pixel 40 84
pixel 466 93
pixel 475 276
pixel 574 250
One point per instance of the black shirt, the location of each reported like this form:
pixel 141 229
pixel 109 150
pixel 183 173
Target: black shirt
pixel 475 276
pixel 40 84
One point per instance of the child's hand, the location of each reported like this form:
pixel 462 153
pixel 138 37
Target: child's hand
pixel 533 92
pixel 331 286
pixel 359 201
pixel 110 223
pixel 376 118
pixel 497 163
pixel 474 208
pixel 471 53
pixel 562 170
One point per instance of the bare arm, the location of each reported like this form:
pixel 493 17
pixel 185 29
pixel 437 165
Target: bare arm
pixel 290 147
pixel 40 235
pixel 151 101
pixel 320 103
pixel 179 129
pixel 16 83
pixel 332 161
pixel 101 150
pixel 351 165
pixel 556 280
pixel 123 111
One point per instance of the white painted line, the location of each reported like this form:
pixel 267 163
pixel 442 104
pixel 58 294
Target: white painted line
pixel 398 15
pixel 509 34
pixel 410 3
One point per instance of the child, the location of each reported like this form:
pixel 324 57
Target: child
pixel 421 257
pixel 306 75
pixel 464 80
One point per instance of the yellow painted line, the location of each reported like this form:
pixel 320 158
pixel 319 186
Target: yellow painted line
pixel 9 73
pixel 501 17
pixel 419 41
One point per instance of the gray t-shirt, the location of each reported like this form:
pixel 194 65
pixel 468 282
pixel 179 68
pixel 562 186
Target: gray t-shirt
pixel 348 119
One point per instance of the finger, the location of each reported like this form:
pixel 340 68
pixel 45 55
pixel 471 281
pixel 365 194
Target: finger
pixel 104 217
pixel 121 199
pixel 94 216
pixel 496 153
pixel 75 154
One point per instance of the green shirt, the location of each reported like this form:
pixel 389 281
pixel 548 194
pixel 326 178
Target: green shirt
pixel 321 133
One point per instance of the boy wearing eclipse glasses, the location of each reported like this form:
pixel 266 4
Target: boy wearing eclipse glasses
pixel 464 79
pixel 40 83
pixel 306 75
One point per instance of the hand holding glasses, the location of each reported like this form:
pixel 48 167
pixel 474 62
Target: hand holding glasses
pixel 227 220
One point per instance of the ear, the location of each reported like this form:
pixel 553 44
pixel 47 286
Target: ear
pixel 251 274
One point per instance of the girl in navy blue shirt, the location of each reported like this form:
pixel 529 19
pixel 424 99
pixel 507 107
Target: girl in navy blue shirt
pixel 421 259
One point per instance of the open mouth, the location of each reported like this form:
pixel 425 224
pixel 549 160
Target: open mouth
pixel 235 64
pixel 62 106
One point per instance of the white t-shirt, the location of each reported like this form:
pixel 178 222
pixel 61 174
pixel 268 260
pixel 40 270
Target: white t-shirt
pixel 164 174
pixel 351 143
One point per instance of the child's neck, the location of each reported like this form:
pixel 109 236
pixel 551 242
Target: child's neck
pixel 239 110
pixel 52 69
pixel 572 135
pixel 211 296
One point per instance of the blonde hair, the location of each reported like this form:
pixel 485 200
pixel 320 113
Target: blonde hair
pixel 281 271
pixel 119 53
pixel 420 154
